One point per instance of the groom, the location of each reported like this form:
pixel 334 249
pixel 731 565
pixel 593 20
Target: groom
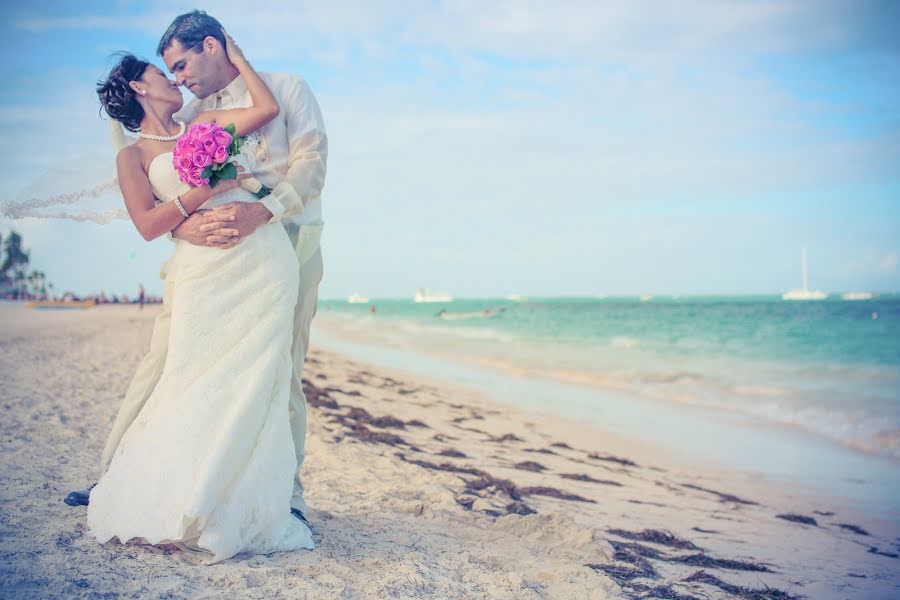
pixel 288 156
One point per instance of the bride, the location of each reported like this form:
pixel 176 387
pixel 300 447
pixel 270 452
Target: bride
pixel 209 462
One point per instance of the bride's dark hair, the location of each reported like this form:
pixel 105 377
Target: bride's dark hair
pixel 116 96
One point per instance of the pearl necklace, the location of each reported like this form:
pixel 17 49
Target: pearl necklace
pixel 163 138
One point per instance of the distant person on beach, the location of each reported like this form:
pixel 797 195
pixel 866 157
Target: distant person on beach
pixel 207 447
pixel 141 296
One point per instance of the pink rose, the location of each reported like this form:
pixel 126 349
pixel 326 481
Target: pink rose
pixel 182 165
pixel 223 138
pixel 221 154
pixel 202 159
pixel 199 130
pixel 195 173
pixel 193 145
pixel 209 144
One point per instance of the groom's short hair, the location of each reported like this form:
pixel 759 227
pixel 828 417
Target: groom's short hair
pixel 190 29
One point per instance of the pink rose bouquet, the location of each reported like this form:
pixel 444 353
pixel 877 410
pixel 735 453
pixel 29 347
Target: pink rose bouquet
pixel 202 154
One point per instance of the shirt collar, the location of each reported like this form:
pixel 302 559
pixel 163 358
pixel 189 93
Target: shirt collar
pixel 233 90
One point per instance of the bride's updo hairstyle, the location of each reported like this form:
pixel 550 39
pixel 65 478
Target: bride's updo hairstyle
pixel 116 96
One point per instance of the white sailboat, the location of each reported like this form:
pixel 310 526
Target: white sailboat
pixel 424 295
pixel 804 293
pixel 357 299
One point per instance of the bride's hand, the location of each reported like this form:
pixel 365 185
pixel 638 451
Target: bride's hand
pixel 234 52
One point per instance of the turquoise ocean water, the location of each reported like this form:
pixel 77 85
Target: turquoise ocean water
pixel 830 368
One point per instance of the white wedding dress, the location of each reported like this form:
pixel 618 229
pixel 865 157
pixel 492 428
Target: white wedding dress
pixel 209 462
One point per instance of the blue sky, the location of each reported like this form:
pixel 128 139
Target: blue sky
pixel 539 148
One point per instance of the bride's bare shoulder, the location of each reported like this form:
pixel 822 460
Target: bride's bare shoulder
pixel 128 155
pixel 131 158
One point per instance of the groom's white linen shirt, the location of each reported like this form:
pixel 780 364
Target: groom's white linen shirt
pixel 295 146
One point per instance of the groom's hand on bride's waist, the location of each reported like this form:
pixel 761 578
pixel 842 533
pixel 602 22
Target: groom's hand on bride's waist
pixel 190 230
pixel 238 220
pixel 223 226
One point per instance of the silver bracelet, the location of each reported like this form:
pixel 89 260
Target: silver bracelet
pixel 181 207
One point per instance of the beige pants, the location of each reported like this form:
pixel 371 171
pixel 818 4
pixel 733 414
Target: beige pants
pixel 151 367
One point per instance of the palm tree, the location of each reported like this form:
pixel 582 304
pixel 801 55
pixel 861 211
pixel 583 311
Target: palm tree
pixel 13 268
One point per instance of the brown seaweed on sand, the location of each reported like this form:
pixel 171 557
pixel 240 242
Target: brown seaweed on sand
pixel 561 445
pixel 530 465
pixel 701 530
pixel 541 450
pixel 743 593
pixel 364 434
pixel 798 519
pixel 664 538
pixel 622 574
pixel 705 560
pixel 453 453
pixel 699 559
pixel 875 550
pixel 330 389
pixel 361 415
pixel 853 528
pixel 485 482
pixel 658 592
pixel 639 567
pixel 318 398
pixel 583 477
pixel 632 548
pixel 509 437
pixel 554 493
pixel 722 496
pixel 441 467
pixel 614 459
pixel 519 508
pixel 633 501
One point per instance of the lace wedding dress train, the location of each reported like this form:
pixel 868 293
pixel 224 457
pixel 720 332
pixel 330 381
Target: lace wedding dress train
pixel 209 461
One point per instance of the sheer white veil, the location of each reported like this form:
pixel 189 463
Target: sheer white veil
pixel 82 189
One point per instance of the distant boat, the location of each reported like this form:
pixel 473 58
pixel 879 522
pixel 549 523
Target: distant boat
pixel 804 293
pixel 857 296
pixel 357 299
pixel 646 297
pixel 424 295
pixel 514 297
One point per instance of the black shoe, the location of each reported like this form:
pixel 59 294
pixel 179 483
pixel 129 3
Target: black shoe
pixel 296 512
pixel 79 497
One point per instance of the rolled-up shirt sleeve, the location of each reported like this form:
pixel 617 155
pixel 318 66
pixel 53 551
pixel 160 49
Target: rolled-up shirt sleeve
pixel 308 145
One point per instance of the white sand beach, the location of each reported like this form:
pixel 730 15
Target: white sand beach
pixel 418 489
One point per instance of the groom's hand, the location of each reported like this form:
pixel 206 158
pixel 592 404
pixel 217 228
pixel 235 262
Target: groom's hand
pixel 197 229
pixel 240 218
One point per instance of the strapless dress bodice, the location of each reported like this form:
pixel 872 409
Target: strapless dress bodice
pixel 164 179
